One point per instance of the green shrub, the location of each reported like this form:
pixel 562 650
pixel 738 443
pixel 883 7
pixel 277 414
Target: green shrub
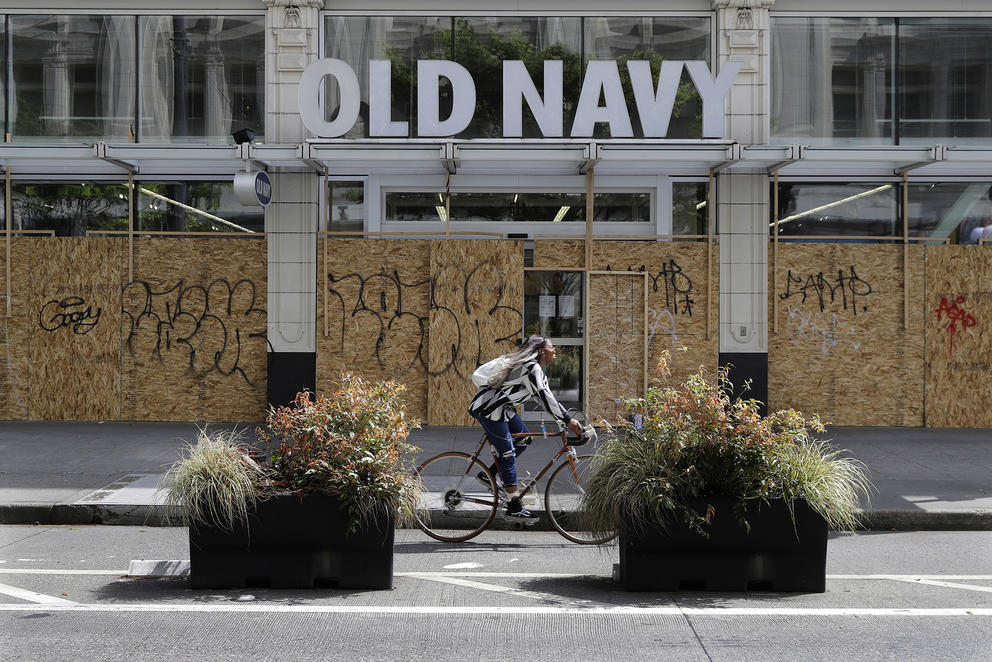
pixel 696 443
pixel 352 444
pixel 214 481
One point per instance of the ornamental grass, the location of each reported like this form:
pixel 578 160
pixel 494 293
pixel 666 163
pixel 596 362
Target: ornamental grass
pixel 695 442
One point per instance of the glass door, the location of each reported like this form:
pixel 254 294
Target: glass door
pixel 553 307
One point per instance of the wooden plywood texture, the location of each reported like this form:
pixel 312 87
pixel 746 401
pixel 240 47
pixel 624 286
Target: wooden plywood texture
pixel 560 254
pixel 841 350
pixel 194 330
pixel 616 342
pixel 377 299
pixel 678 299
pixel 61 345
pixel 958 336
pixel 475 316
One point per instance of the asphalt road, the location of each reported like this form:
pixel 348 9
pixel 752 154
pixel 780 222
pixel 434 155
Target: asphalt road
pixel 64 595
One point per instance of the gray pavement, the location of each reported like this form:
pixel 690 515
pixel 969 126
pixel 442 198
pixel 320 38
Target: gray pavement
pixel 107 473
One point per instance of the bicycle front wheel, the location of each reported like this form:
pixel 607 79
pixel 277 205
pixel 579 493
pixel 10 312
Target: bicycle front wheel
pixel 561 501
pixel 460 498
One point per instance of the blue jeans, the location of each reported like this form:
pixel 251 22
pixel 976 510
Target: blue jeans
pixel 499 436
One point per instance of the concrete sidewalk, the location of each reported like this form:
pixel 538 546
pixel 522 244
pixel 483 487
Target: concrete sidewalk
pixel 108 473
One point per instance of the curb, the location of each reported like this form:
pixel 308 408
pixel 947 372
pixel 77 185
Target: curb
pixel 54 514
pixel 120 515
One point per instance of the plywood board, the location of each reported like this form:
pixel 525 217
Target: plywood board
pixel 559 254
pixel 616 342
pixel 958 336
pixel 74 298
pixel 194 330
pixel 841 350
pixel 378 295
pixel 475 316
pixel 678 299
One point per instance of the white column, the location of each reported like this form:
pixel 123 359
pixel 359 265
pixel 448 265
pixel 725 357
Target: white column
pixel 743 36
pixel 291 221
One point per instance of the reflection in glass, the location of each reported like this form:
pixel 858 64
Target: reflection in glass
pixel 202 77
pixel 73 76
pixel 483 43
pixel 347 207
pixel 832 78
pixel 193 207
pixel 958 211
pixel 654 39
pixel 838 209
pixel 401 39
pixel 945 78
pixel 553 307
pixel 523 207
pixel 689 212
pixel 69 208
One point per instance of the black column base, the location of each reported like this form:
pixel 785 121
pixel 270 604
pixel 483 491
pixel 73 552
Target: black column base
pixel 290 373
pixel 751 368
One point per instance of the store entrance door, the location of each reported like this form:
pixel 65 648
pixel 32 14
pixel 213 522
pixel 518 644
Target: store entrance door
pixel 553 307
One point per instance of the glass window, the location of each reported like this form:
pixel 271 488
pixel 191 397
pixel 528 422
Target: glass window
pixel 945 78
pixel 690 214
pixel 347 206
pixel 74 76
pixel 69 208
pixel 816 209
pixel 654 39
pixel 832 79
pixel 401 39
pixel 193 207
pixel 958 211
pixel 553 307
pixel 481 45
pixel 202 77
pixel 522 207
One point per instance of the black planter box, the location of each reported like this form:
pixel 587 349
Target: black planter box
pixel 294 541
pixel 776 555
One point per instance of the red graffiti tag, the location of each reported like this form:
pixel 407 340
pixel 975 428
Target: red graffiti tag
pixel 955 315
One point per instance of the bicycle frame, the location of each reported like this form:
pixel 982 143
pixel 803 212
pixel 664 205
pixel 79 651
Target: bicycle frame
pixel 566 449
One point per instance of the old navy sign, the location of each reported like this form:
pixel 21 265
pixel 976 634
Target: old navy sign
pixel 602 80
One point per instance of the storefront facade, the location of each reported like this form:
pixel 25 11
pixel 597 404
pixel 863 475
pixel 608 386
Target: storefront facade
pixel 797 193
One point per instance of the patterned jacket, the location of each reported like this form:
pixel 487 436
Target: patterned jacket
pixel 524 382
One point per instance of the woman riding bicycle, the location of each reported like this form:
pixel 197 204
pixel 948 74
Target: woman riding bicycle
pixel 519 377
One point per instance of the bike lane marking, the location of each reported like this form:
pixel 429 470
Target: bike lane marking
pixel 512 611
pixel 447 578
pixel 35 598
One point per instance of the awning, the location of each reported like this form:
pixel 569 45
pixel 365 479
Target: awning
pixel 687 158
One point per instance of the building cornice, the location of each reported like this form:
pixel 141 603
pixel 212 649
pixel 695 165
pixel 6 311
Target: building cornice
pixel 309 4
pixel 741 4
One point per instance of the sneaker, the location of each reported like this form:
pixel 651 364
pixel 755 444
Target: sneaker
pixel 484 480
pixel 516 509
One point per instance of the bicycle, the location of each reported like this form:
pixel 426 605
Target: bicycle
pixel 462 497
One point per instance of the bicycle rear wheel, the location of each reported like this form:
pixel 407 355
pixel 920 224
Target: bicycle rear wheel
pixel 561 501
pixel 460 498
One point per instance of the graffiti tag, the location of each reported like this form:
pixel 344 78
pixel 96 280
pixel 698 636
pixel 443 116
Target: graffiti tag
pixel 955 314
pixel 206 328
pixel 814 327
pixel 69 312
pixel 676 283
pixel 460 306
pixel 847 286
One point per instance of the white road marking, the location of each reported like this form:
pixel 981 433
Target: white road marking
pixel 437 610
pixel 55 571
pixel 932 582
pixel 496 588
pixel 39 598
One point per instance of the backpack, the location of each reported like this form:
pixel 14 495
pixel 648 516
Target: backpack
pixel 485 372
